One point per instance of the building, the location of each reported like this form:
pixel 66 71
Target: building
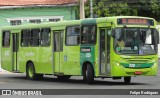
pixel 17 12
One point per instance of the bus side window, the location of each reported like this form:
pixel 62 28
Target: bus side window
pixel 25 38
pixel 56 41
pixel 88 34
pixel 45 37
pixel 35 35
pixel 6 39
pixel 72 35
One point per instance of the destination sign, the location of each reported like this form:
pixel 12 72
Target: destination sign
pixel 135 21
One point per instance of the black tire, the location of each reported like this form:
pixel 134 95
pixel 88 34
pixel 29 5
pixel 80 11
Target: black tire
pixel 127 80
pixel 89 74
pixel 39 76
pixel 65 77
pixel 31 73
pixel 84 76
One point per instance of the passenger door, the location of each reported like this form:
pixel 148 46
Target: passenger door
pixel 104 51
pixel 15 48
pixel 58 51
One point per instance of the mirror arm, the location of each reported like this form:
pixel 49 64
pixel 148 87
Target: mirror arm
pixel 157 36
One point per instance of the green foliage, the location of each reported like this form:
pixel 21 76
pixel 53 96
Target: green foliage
pixel 105 8
pixel 149 8
pixel 102 8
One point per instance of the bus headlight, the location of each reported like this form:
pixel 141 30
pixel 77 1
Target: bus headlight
pixel 154 65
pixel 153 60
pixel 117 64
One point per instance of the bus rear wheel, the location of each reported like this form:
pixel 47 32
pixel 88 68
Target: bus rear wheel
pixel 127 80
pixel 31 73
pixel 88 76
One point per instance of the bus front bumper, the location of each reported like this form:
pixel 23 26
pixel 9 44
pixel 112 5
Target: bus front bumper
pixel 119 71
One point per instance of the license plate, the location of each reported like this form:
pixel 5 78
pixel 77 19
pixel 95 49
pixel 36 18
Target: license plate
pixel 138 72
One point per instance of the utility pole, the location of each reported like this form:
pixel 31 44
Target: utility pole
pixel 82 14
pixel 91 8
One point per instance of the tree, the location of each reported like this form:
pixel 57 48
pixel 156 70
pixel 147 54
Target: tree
pixel 147 8
pixel 103 8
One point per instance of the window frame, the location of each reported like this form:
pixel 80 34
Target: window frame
pixel 36 21
pixel 15 22
pixel 28 37
pixel 31 37
pixel 3 39
pixel 54 19
pixel 89 34
pixel 60 41
pixel 49 37
pixel 70 35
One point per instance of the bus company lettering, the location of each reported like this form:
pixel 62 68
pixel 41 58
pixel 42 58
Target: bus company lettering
pixel 85 49
pixel 29 54
pixel 6 53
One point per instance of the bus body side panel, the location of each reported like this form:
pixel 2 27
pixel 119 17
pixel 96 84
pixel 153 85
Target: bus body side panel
pixel 45 64
pixel 87 55
pixel 71 58
pixel 6 60
pixel 29 54
pixel 40 56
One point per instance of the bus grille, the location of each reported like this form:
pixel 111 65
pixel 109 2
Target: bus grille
pixel 134 60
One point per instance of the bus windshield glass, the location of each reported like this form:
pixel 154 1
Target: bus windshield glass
pixel 135 41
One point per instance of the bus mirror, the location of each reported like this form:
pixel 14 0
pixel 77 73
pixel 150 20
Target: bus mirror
pixel 157 33
pixel 156 37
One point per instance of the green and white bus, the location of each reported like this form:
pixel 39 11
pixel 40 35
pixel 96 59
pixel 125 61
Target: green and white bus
pixel 110 47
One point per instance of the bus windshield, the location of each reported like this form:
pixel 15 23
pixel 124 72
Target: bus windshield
pixel 135 41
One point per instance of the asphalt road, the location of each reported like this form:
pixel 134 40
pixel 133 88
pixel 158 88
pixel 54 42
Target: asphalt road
pixel 14 81
pixel 19 81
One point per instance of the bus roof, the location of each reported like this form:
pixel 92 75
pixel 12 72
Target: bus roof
pixel 109 19
pixel 87 21
pixel 43 25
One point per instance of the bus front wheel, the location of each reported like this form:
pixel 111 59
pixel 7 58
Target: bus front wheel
pixel 127 80
pixel 89 74
pixel 31 73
